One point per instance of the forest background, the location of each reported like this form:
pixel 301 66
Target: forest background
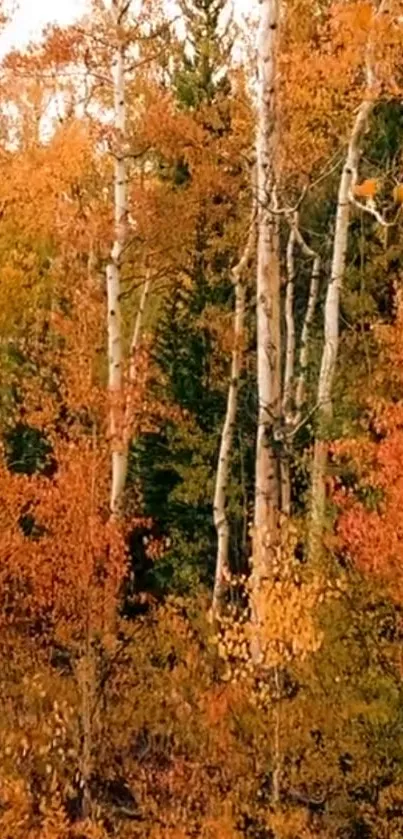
pixel 201 385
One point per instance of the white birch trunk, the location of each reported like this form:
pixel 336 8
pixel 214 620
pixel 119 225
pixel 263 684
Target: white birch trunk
pixel 134 345
pixel 288 381
pixel 332 304
pixel 268 287
pixel 294 391
pixel 296 401
pixel 138 324
pixel 267 466
pixel 224 459
pixel 300 391
pixel 113 278
pixel 331 327
pixel 288 385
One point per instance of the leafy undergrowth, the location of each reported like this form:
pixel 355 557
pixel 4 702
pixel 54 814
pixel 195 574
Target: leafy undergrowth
pixel 187 742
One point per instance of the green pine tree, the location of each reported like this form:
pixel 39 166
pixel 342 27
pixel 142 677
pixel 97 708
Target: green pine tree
pixel 178 464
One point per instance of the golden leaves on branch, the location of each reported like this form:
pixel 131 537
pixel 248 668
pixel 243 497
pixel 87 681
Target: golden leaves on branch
pixel 287 603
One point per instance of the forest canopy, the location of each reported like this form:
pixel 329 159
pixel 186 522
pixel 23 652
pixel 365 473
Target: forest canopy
pixel 201 423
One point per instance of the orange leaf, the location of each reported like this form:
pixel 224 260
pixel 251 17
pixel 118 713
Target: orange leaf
pixel 367 189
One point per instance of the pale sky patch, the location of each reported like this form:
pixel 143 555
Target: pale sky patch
pixel 31 16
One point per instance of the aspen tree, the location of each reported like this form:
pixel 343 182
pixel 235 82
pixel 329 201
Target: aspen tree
pixel 224 459
pixel 113 271
pixel 267 485
pixel 267 478
pixel 294 386
pixel 332 303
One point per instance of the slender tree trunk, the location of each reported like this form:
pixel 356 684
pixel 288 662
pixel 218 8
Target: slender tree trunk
pixel 138 324
pixel 294 391
pixel 331 326
pixel 288 383
pixel 224 459
pixel 267 484
pixel 300 391
pixel 86 682
pixel 113 278
pixel 134 346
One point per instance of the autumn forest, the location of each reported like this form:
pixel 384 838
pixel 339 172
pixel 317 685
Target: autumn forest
pixel 201 423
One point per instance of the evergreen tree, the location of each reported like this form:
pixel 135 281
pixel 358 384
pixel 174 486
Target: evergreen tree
pixel 202 74
pixel 178 465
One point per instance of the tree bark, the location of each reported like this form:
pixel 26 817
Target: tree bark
pixel 267 467
pixel 300 391
pixel 119 454
pixel 288 383
pixel 138 324
pixel 224 459
pixel 293 415
pixel 134 346
pixel 294 390
pixel 267 488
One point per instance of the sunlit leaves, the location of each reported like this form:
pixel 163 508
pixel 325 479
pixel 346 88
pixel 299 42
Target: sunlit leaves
pixel 370 523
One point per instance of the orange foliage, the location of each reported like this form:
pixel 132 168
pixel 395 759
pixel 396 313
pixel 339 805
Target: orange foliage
pixel 323 81
pixel 179 717
pixel 368 188
pixel 370 521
